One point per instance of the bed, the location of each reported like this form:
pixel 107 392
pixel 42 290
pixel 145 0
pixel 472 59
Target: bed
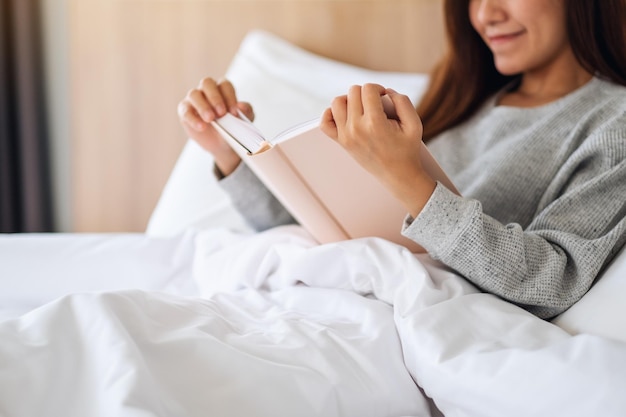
pixel 199 316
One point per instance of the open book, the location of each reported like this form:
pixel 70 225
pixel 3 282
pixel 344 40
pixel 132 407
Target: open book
pixel 320 184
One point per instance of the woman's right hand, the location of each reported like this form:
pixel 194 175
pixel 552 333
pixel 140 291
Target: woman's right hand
pixel 205 103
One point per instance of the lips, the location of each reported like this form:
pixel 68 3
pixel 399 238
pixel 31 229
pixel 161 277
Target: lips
pixel 502 38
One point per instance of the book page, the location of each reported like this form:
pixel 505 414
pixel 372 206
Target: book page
pixel 243 132
pixel 296 130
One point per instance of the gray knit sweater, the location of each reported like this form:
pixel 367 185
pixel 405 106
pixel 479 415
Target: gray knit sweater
pixel 544 197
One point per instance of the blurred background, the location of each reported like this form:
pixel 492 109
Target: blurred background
pixel 89 88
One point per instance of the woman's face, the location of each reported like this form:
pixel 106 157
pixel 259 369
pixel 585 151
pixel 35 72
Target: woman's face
pixel 524 35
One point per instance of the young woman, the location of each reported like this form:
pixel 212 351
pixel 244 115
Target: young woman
pixel 526 113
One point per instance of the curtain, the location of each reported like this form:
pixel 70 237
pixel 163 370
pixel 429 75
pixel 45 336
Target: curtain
pixel 25 196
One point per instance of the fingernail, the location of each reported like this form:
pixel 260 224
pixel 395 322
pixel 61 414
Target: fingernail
pixel 207 116
pixel 220 110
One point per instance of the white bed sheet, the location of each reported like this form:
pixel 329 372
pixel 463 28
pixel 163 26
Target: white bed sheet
pixel 38 268
pixel 236 348
pixel 281 326
pixel 474 354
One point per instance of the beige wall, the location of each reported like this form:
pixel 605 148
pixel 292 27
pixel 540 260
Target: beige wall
pixel 131 61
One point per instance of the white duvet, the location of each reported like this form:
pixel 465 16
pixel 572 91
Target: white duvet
pixel 272 324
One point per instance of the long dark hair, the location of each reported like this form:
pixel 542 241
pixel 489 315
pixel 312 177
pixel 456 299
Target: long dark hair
pixel 467 76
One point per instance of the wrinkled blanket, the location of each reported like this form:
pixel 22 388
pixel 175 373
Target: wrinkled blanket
pixel 280 326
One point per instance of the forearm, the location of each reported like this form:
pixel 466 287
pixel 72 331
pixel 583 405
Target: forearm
pixel 543 270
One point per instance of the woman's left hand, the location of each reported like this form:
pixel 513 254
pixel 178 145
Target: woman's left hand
pixel 387 147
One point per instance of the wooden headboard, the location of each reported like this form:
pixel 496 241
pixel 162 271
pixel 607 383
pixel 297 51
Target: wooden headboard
pixel 131 61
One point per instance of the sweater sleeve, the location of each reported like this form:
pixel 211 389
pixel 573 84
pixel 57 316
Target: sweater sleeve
pixel 253 200
pixel 548 266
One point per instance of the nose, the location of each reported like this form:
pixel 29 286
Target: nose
pixel 488 12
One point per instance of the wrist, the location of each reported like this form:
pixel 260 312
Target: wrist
pixel 417 193
pixel 226 162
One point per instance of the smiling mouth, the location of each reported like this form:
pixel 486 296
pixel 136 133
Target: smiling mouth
pixel 504 38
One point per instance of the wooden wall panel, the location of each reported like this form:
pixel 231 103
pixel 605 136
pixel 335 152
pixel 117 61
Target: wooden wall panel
pixel 131 61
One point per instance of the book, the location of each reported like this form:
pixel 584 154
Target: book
pixel 320 184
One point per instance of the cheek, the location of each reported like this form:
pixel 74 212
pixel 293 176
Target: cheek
pixel 551 39
pixel 551 29
pixel 473 15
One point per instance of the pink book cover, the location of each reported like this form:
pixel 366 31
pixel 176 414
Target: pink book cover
pixel 321 185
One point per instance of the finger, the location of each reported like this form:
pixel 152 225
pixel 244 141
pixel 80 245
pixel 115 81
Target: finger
pixel 328 125
pixel 404 109
pixel 246 109
pixel 189 116
pixel 196 99
pixel 372 97
pixel 213 95
pixel 228 94
pixel 339 110
pixel 389 108
pixel 355 105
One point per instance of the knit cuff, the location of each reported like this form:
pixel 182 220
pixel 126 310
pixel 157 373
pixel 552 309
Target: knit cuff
pixel 239 184
pixel 441 222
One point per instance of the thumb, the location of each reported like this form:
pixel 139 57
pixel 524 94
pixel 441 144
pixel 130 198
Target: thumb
pixel 246 109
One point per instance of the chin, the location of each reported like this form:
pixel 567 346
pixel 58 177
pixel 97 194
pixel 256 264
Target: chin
pixel 508 69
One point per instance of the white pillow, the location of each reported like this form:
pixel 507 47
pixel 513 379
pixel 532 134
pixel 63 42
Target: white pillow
pixel 286 85
pixel 602 311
